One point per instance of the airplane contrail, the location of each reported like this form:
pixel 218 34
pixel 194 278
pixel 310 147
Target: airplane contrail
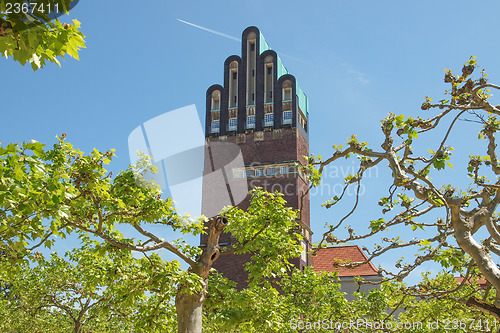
pixel 228 36
pixel 210 30
pixel 357 75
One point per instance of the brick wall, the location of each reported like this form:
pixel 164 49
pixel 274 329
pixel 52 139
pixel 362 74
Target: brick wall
pixel 271 147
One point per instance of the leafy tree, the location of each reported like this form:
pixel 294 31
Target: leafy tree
pixel 100 288
pixel 38 39
pixel 306 301
pixel 454 219
pixel 440 305
pixel 299 302
pixel 48 193
pixel 299 296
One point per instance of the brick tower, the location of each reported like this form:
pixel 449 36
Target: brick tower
pixel 262 109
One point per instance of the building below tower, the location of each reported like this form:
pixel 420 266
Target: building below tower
pixel 327 260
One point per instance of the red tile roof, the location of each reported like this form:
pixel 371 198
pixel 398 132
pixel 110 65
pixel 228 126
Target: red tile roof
pixel 482 282
pixel 325 259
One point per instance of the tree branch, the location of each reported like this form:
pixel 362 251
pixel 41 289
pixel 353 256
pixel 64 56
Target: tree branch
pixel 161 244
pixel 484 306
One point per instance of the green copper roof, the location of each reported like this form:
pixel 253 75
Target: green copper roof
pixel 301 97
pixel 263 46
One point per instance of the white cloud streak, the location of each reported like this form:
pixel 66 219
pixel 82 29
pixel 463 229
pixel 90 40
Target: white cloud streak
pixel 210 30
pixel 356 75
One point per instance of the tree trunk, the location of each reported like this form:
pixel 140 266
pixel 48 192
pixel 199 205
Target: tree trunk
pixel 189 311
pixel 78 327
pixel 190 306
pixel 484 306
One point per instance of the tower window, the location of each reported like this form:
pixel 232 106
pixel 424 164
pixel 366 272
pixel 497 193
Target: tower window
pixel 287 117
pixel 233 83
pixel 250 122
pixel 252 47
pixel 269 80
pixel 287 94
pixel 235 99
pixel 268 119
pixel 253 97
pixel 215 126
pixel 287 90
pixel 215 115
pixel 303 255
pixel 302 120
pixel 215 100
pixel 233 124
pixel 238 173
pixel 253 72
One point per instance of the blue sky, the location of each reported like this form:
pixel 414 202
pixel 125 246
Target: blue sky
pixel 356 61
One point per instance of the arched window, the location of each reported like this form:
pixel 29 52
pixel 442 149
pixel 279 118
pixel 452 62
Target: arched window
pixel 215 112
pixel 215 100
pixel 251 65
pixel 268 81
pixel 287 102
pixel 233 84
pixel 287 90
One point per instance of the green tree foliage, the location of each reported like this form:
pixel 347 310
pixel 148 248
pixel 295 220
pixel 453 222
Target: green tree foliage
pixel 301 295
pixel 38 43
pixel 271 238
pixel 48 194
pixel 305 301
pixel 440 305
pixel 445 223
pixel 111 282
pixel 96 288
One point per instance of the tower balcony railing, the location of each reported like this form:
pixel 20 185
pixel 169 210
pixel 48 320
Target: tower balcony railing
pixel 250 123
pixel 269 107
pixel 287 117
pixel 268 120
pixel 287 105
pixel 214 128
pixel 232 125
